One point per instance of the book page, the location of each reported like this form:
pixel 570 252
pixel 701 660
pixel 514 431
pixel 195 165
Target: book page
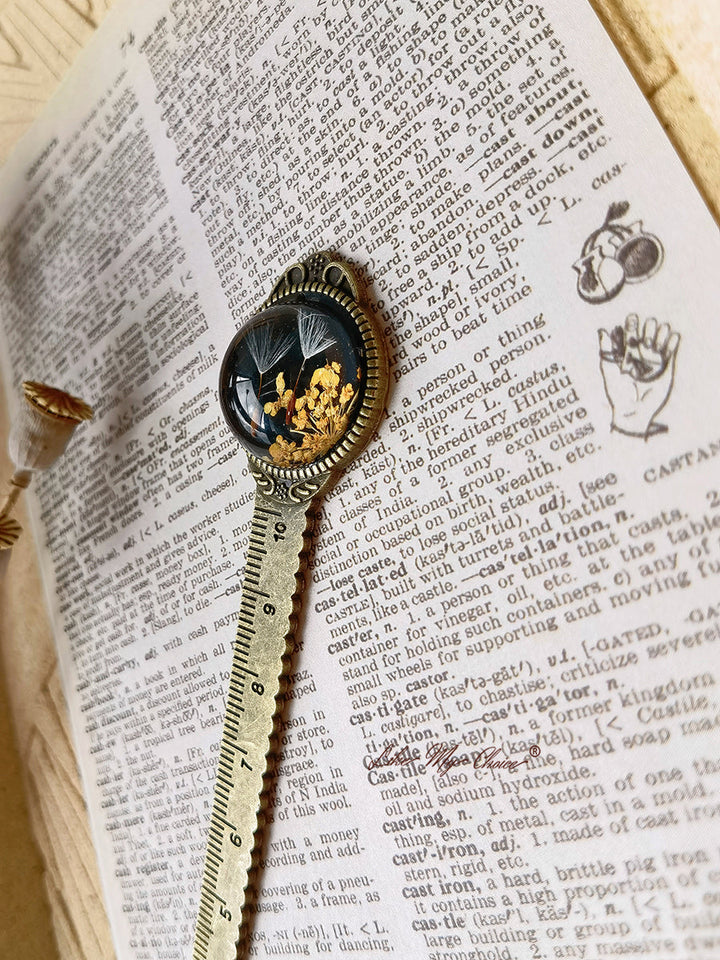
pixel 498 741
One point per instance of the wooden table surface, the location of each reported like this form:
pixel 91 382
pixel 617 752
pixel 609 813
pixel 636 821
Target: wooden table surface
pixel 50 906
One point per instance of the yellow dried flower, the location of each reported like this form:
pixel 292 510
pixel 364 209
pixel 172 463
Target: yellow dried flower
pixel 320 416
pixel 328 378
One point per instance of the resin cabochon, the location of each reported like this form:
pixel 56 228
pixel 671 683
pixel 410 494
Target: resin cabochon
pixel 293 380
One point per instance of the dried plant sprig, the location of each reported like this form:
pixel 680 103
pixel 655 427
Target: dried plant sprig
pixel 10 530
pixel 320 416
pixel 56 402
pixel 45 422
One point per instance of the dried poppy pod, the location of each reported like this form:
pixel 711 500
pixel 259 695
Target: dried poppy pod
pixel 10 530
pixel 40 433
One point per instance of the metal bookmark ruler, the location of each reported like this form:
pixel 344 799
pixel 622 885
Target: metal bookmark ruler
pixel 302 386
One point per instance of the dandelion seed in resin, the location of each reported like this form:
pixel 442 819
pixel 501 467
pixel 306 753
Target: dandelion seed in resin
pixel 266 351
pixel 314 333
pixel 315 336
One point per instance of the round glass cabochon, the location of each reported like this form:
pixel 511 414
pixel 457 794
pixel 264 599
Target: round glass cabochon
pixel 292 381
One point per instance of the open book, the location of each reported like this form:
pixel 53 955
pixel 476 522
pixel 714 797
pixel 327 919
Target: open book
pixel 500 737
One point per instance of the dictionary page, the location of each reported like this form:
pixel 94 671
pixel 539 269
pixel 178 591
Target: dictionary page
pixel 498 741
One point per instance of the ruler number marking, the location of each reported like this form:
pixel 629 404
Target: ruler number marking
pixel 225 839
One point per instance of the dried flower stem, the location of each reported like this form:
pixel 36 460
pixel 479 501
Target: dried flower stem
pixel 19 480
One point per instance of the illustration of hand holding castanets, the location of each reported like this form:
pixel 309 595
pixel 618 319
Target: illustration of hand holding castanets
pixel 638 369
